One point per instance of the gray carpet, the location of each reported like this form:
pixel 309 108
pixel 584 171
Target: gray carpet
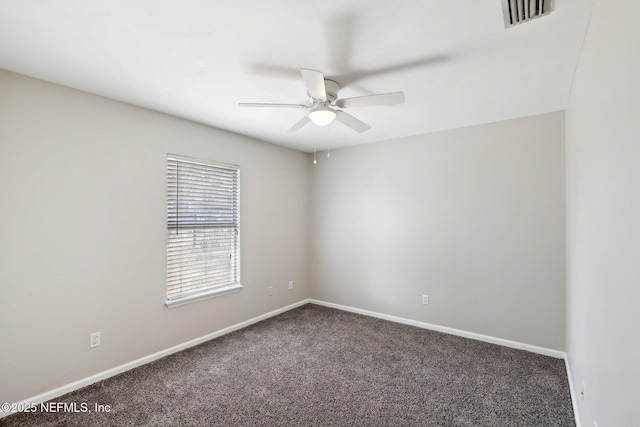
pixel 316 366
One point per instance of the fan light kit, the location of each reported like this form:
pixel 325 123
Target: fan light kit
pixel 322 116
pixel 325 105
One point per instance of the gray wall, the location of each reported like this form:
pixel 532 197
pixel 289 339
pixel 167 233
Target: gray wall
pixel 82 232
pixel 603 218
pixel 473 217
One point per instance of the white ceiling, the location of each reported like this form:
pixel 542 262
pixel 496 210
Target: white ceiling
pixel 197 59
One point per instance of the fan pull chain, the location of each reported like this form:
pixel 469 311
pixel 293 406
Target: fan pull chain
pixel 329 141
pixel 315 144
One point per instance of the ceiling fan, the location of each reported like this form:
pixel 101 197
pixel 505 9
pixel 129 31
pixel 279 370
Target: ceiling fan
pixel 325 106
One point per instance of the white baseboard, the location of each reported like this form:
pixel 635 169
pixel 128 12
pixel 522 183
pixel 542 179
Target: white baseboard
pixel 68 388
pixel 466 334
pixel 573 391
pixel 52 394
pixel 452 331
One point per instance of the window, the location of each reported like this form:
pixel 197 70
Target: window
pixel 203 229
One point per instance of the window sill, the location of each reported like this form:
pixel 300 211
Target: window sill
pixel 205 295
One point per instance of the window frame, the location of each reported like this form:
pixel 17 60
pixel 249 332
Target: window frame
pixel 174 224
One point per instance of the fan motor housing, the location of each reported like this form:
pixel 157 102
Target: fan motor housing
pixel 332 88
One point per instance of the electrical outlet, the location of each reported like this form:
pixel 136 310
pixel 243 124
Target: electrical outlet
pixel 290 284
pixel 583 390
pixel 425 299
pixel 270 289
pixel 94 339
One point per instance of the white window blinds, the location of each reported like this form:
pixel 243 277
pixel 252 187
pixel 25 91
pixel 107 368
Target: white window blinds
pixel 203 228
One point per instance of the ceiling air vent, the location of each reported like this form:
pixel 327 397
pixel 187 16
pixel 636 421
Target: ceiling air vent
pixel 519 11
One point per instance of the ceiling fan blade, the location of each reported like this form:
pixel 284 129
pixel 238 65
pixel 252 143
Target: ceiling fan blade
pixel 350 121
pixel 393 98
pixel 245 104
pixel 315 84
pixel 299 125
pixel 350 77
